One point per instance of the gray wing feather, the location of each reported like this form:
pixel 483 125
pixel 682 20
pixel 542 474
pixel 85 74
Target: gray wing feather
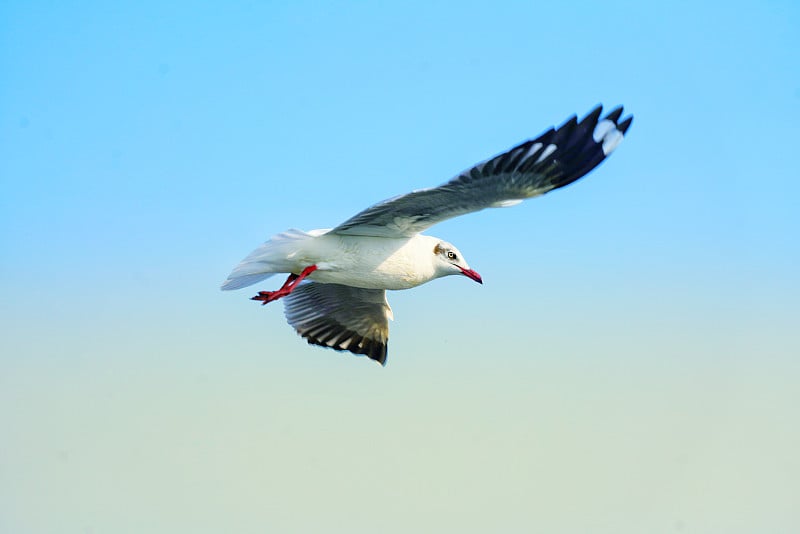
pixel 341 317
pixel 556 158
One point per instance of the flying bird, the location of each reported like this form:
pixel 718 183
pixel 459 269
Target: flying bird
pixel 335 294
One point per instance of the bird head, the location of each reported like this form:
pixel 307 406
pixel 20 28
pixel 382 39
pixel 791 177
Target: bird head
pixel 448 260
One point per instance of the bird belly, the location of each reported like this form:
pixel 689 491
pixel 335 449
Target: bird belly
pixel 365 279
pixel 369 262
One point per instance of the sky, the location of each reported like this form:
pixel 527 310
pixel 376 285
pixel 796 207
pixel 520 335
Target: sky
pixel 629 365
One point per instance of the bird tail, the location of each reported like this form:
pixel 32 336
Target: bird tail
pixel 274 256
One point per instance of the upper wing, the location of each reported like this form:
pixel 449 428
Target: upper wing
pixel 554 159
pixel 341 317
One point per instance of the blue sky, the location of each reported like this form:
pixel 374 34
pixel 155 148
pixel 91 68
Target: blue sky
pixel 629 365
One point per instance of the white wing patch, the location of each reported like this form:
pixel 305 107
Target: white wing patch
pixel 532 150
pixel 546 152
pixel 607 132
pixel 602 128
pixel 611 140
pixel 505 203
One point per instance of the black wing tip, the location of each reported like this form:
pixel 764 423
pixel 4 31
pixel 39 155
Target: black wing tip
pixel 614 114
pixel 593 116
pixel 624 125
pixel 371 348
pixel 581 147
pixel 571 122
pixel 591 120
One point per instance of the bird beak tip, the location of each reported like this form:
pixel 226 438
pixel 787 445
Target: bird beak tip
pixel 469 273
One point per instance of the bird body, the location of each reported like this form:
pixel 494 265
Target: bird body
pixel 335 293
pixel 371 262
pixel 367 262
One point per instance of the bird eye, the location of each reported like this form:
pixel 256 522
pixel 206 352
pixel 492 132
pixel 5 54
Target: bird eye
pixel 451 254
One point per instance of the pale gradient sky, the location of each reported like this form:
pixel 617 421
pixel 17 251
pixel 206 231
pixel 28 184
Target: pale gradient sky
pixel 631 364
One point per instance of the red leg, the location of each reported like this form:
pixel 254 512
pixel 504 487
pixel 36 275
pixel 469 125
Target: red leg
pixel 292 278
pixel 287 287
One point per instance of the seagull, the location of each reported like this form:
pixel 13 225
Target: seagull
pixel 335 294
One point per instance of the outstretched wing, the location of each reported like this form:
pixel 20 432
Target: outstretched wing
pixel 556 158
pixel 341 317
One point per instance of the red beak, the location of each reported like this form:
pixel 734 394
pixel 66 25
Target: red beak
pixel 469 273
